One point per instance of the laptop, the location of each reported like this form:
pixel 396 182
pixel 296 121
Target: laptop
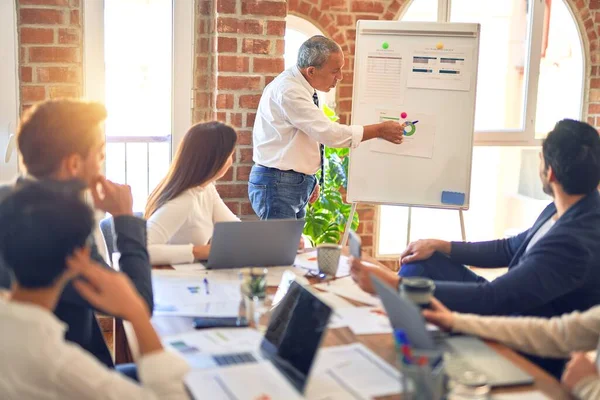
pixel 470 352
pixel 265 243
pixel 296 328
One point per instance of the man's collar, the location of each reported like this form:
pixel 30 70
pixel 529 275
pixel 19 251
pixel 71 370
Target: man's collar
pixel 298 75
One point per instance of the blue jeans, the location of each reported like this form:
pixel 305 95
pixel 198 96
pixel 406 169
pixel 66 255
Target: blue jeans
pixel 439 268
pixel 129 370
pixel 276 194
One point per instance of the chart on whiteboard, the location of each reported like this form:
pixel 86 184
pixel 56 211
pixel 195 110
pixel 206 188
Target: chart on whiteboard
pixel 444 68
pixel 419 134
pixel 383 83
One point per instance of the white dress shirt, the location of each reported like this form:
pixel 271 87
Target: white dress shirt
pixel 37 363
pixel 184 222
pixel 289 127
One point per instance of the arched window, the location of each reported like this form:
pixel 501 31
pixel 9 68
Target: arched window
pixel 527 81
pixel 297 31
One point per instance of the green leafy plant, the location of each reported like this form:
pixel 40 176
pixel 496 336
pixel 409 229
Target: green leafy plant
pixel 326 218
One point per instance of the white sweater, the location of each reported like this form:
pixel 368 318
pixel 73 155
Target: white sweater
pixel 555 337
pixel 184 222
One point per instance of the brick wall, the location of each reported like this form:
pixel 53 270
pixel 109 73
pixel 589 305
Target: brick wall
pixel 239 46
pixel 50 49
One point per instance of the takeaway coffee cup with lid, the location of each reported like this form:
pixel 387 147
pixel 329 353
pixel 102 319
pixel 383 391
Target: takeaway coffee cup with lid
pixel 418 290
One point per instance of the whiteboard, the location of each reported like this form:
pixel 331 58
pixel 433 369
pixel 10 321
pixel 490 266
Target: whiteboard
pixel 412 68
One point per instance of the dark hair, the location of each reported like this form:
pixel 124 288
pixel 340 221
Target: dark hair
pixel 200 155
pixel 43 223
pixel 55 129
pixel 572 149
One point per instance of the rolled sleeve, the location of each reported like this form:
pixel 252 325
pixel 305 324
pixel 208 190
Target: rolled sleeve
pixel 357 135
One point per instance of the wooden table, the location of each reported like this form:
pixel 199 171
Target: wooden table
pixel 382 345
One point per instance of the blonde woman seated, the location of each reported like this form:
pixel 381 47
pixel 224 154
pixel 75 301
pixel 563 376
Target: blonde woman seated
pixel 184 207
pixel 556 337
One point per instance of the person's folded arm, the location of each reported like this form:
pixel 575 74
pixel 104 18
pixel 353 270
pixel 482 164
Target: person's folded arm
pixel 555 337
pixel 304 115
pixel 490 254
pixel 163 224
pixel 556 265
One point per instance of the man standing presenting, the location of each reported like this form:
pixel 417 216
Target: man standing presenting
pixel 291 131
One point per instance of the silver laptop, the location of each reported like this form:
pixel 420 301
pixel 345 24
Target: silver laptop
pixel 470 352
pixel 255 243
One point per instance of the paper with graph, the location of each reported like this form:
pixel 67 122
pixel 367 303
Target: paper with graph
pixel 419 133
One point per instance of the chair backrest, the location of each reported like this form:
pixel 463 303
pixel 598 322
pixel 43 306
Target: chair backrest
pixel 108 231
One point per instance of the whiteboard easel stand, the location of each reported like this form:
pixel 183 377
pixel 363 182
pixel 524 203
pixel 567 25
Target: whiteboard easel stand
pixel 408 225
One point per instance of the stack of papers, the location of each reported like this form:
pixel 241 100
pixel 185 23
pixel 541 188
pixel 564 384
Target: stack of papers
pixel 362 320
pixel 191 296
pixel 348 289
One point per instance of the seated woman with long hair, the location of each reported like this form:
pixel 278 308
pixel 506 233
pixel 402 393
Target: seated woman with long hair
pixel 184 207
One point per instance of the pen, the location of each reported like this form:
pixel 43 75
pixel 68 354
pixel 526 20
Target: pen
pixel 414 122
pixel 206 285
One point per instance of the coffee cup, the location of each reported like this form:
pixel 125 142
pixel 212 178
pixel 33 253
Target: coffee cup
pixel 418 290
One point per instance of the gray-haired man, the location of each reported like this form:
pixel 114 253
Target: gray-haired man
pixel 291 130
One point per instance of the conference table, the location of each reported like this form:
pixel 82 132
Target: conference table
pixel 125 347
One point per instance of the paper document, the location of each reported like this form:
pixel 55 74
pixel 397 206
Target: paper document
pixel 356 369
pixel 383 82
pixel 255 381
pixel 308 262
pixel 419 134
pixel 535 395
pixel 196 267
pixel 448 68
pixel 214 341
pixel 274 274
pixel 363 320
pixel 345 287
pixel 193 297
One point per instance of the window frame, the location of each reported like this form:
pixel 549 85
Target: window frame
pixel 535 41
pixel 182 63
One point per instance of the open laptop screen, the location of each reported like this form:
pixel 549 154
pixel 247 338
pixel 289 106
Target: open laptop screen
pixel 294 333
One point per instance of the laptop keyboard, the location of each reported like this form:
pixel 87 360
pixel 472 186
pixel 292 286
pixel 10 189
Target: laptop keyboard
pixel 231 359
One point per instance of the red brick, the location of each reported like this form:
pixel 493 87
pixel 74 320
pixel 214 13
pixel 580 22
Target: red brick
pixel 395 6
pixel 40 16
pixel 54 54
pixel 26 74
pixel 344 20
pixel 389 16
pixel 276 28
pixel 233 191
pixel 268 64
pixel 234 206
pixel 75 17
pixel 350 34
pixel 367 214
pixel 202 100
pixel 366 17
pixel 303 8
pixel 64 91
pixel 203 45
pixel 247 208
pixel 244 138
pixel 226 6
pixel 249 101
pixel 269 79
pixel 202 63
pixel 75 3
pixel 242 173
pixel 594 109
pixel 236 119
pixel 43 2
pixel 245 155
pixel 238 82
pixel 325 20
pixel 588 24
pixel 366 240
pixel 58 75
pixel 268 8
pixel 280 48
pixel 345 91
pixel 227 45
pixel 315 13
pixel 30 94
pixel 234 64
pixel 222 117
pixel 256 46
pixel 68 36
pixel 36 36
pixel 338 4
pixel 345 105
pixel 594 4
pixel 225 101
pixel 595 83
pixel 595 95
pixel 250 118
pixel 250 26
pixel 367 6
pixel 205 7
pixel 595 70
